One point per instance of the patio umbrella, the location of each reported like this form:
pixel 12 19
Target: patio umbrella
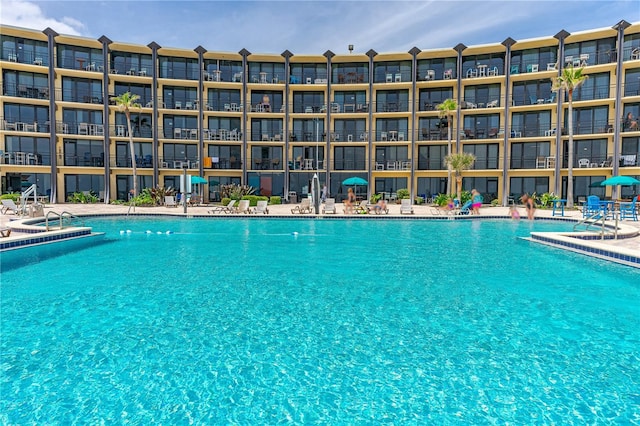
pixel 596 184
pixel 620 180
pixel 198 179
pixel 355 181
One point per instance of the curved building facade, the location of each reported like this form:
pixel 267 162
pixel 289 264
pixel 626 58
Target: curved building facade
pixel 272 121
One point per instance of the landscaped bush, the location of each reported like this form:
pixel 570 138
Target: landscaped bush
pixel 225 201
pixel 83 198
pixel 275 199
pixel 13 196
pixel 419 200
pixel 253 199
pixel 403 193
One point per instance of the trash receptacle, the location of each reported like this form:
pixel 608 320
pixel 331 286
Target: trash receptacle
pixel 293 197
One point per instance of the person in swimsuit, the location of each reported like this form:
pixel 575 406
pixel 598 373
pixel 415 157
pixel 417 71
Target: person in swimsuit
pixel 477 201
pixel 529 205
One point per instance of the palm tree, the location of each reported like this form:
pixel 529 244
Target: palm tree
pixel 459 162
pixel 446 109
pixel 125 102
pixel 570 79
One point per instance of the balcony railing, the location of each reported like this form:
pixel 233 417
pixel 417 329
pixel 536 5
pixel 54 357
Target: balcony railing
pixel 11 55
pixel 25 158
pixel 16 125
pixel 24 91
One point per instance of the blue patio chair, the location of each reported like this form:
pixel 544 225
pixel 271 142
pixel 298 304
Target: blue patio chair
pixel 629 211
pixel 592 206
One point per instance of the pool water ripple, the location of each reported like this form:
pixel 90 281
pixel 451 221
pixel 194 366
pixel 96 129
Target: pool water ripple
pixel 243 322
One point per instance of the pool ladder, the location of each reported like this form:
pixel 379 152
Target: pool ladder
pixel 64 218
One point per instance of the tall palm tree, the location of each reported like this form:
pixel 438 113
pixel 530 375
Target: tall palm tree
pixel 570 79
pixel 125 102
pixel 459 162
pixel 447 109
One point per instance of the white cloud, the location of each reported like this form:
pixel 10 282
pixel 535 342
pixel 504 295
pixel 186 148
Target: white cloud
pixel 25 14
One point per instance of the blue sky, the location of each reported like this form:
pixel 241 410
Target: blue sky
pixel 316 26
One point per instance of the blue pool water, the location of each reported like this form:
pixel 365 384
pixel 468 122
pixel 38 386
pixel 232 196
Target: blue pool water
pixel 317 321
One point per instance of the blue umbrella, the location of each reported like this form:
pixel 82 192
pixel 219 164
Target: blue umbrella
pixel 620 180
pixel 355 181
pixel 198 179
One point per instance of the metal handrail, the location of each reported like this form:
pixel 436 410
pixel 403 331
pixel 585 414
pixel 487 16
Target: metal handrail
pixel 61 217
pixel 594 219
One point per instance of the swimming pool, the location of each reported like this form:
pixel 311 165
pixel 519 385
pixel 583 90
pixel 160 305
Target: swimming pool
pixel 318 321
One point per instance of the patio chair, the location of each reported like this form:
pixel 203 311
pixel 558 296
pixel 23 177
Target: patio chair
pixel 303 207
pixel 377 208
pixel 362 208
pixel 329 206
pixel 261 207
pixel 629 211
pixel 466 208
pixel 170 201
pixel 5 232
pixel 405 206
pixel 243 207
pixel 592 206
pixel 10 206
pixel 229 208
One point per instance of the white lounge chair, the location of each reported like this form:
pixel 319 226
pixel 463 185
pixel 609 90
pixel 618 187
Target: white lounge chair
pixel 229 208
pixel 405 206
pixel 304 207
pixel 170 201
pixel 261 207
pixel 9 205
pixel 243 207
pixel 329 206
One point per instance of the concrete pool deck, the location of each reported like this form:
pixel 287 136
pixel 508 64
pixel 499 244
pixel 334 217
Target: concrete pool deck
pixel 628 245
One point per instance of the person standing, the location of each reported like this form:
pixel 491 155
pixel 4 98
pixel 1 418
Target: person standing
pixel 323 196
pixel 348 203
pixel 476 199
pixel 529 206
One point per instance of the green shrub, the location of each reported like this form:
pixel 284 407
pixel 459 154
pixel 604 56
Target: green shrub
pixel 83 198
pixel 225 201
pixel 402 193
pixel 441 199
pixel 495 202
pixel 545 199
pixel 419 200
pixel 275 199
pixel 12 196
pixel 253 199
pixel 375 198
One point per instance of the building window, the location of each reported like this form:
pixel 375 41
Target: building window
pixel 525 155
pixel 431 157
pixel 487 155
pixel 349 158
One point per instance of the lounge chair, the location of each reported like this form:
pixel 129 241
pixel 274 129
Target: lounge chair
pixel 405 206
pixel 5 232
pixel 243 207
pixel 377 209
pixel 170 201
pixel 329 206
pixel 466 208
pixel 195 200
pixel 303 207
pixel 261 207
pixel 229 208
pixel 362 208
pixel 9 205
